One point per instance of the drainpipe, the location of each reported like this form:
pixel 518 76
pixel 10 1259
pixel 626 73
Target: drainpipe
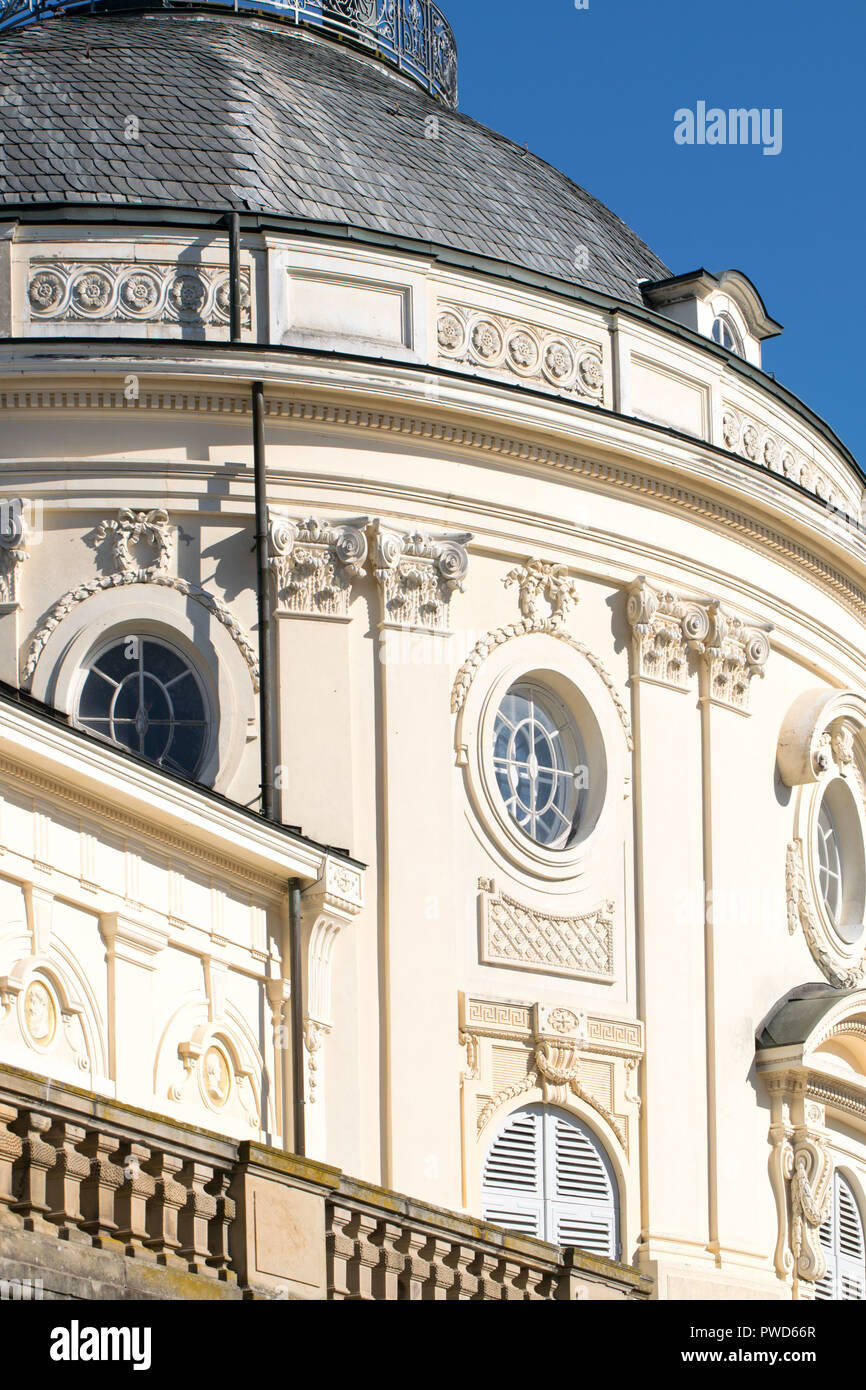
pixel 266 739
pixel 297 1017
pixel 234 223
pixel 267 762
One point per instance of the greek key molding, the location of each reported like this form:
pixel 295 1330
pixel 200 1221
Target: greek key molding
pixel 756 442
pixel 150 292
pixel 485 1017
pixel 315 562
pixel 666 629
pixel 557 1044
pixel 417 574
pixel 70 600
pixel 528 939
pixel 558 361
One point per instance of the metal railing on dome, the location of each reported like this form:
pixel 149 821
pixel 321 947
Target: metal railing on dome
pixel 413 35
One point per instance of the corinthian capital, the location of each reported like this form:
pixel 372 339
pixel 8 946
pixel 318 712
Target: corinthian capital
pixel 315 562
pixel 418 573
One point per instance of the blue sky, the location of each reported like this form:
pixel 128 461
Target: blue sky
pixel 594 92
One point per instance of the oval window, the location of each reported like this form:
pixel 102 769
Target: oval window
pixel 142 694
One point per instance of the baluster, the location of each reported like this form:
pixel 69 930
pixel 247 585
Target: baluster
pixel 386 1276
pixel 165 1205
pixel 508 1274
pixel 365 1261
pixel 483 1269
pixel 31 1170
pixel 440 1278
pixel 540 1284
pixel 416 1270
pixel 193 1222
pixel 63 1187
pixel 99 1189
pixel 226 1210
pixel 340 1244
pixel 10 1150
pixel 465 1284
pixel 130 1207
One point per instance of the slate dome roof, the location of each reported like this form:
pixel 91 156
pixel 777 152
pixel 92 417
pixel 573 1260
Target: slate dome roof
pixel 251 115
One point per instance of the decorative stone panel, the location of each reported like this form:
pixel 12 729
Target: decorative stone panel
pixel 755 441
pixel 315 562
pixel 556 1051
pixel 529 939
pixel 522 350
pixel 152 292
pixel 418 573
pixel 665 629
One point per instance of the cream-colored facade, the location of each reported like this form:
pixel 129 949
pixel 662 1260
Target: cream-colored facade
pixel 473 483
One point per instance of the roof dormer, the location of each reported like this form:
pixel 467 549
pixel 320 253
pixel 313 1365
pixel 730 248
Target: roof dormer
pixel 726 308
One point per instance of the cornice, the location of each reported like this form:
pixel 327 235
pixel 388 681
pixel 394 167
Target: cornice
pixel 38 752
pixel 624 433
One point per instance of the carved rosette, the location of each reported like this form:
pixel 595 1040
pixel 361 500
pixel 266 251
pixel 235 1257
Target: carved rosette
pixel 517 348
pixel 417 574
pixel 315 563
pixel 150 292
pixel 757 442
pixel 665 629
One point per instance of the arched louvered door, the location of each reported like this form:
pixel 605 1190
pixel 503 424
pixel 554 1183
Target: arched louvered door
pixel 546 1175
pixel 843 1243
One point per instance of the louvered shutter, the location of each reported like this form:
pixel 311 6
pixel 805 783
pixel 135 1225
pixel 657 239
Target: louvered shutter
pixel 826 1289
pixel 547 1175
pixel 851 1257
pixel 512 1192
pixel 843 1244
pixel 581 1207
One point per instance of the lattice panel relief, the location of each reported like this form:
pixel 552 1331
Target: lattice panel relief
pixel 529 939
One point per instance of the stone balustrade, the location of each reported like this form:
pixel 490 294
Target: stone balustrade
pixel 98 1200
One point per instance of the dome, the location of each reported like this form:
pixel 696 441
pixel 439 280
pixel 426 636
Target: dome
pixel 251 115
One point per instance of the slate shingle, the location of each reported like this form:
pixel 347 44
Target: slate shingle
pixel 262 117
